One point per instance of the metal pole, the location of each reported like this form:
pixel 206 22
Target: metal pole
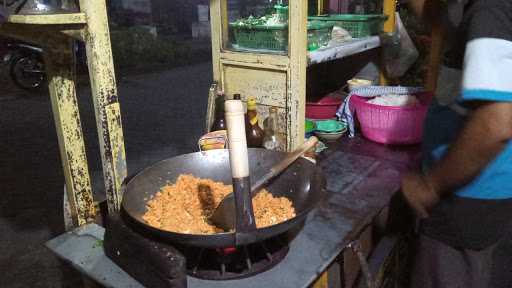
pixel 60 69
pixel 105 99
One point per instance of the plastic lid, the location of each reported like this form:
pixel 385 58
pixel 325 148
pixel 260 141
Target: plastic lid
pixel 237 97
pixel 313 25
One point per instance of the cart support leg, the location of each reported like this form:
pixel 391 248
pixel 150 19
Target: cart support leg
pixel 296 98
pixel 105 99
pixel 322 282
pixel 60 69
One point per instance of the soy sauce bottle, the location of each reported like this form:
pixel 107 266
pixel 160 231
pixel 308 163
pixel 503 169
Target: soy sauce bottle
pixel 219 123
pixel 253 130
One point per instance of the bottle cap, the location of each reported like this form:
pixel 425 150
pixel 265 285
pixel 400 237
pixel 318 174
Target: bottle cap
pixel 251 103
pixel 236 97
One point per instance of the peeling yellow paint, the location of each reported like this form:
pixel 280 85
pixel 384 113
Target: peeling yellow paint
pixel 116 140
pixel 50 19
pixel 60 69
pixel 105 99
pixel 54 34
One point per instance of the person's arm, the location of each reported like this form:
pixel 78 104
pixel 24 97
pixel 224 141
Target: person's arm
pixel 427 10
pixel 485 134
pixel 417 7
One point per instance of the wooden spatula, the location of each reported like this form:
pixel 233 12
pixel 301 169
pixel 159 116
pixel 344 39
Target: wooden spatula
pixel 224 215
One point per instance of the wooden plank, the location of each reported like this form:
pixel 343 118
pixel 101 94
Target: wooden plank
pixel 105 99
pixel 224 22
pixel 276 62
pixel 60 69
pixel 296 92
pixel 268 86
pixel 216 38
pixel 50 19
pixel 343 50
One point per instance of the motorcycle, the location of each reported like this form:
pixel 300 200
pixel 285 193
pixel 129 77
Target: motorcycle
pixel 26 66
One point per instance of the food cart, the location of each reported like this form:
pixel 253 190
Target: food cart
pixel 370 172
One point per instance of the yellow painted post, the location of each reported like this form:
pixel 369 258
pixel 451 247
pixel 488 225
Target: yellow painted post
pixel 389 27
pixel 60 70
pixel 322 282
pixel 323 7
pixel 105 99
pixel 216 28
pixel 296 94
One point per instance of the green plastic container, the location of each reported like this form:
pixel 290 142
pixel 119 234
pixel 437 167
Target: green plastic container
pixel 260 37
pixel 276 37
pixel 358 26
pixel 309 126
pixel 330 126
pixel 319 34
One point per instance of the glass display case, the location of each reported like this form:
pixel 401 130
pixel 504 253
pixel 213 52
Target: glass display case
pixel 262 27
pixel 258 26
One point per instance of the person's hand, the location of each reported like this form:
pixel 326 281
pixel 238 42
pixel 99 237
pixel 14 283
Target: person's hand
pixel 420 193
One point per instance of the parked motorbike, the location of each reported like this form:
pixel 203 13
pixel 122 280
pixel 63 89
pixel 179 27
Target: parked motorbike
pixel 26 66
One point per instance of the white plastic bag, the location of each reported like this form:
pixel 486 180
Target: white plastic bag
pixel 400 60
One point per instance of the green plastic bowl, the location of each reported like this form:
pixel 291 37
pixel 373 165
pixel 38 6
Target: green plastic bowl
pixel 330 126
pixel 310 126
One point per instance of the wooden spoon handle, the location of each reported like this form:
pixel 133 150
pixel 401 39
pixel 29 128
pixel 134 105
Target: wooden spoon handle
pixel 239 160
pixel 283 164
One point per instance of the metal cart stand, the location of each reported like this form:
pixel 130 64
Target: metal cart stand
pixel 276 80
pixel 55 34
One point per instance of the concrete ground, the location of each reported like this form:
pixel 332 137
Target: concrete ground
pixel 163 115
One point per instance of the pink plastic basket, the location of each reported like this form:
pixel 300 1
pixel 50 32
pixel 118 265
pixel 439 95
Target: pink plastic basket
pixel 392 125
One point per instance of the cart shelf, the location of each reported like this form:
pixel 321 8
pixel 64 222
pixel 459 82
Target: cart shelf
pixel 344 50
pixel 55 19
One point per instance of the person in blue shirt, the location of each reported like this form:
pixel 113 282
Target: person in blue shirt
pixel 464 195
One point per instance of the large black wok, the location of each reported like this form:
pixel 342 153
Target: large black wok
pixel 302 183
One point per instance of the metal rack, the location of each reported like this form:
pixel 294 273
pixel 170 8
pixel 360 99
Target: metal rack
pixel 56 34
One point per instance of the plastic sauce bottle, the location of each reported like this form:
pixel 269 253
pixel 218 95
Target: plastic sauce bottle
pixel 272 140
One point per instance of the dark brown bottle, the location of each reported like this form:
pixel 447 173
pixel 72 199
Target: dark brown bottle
pixel 253 130
pixel 219 123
